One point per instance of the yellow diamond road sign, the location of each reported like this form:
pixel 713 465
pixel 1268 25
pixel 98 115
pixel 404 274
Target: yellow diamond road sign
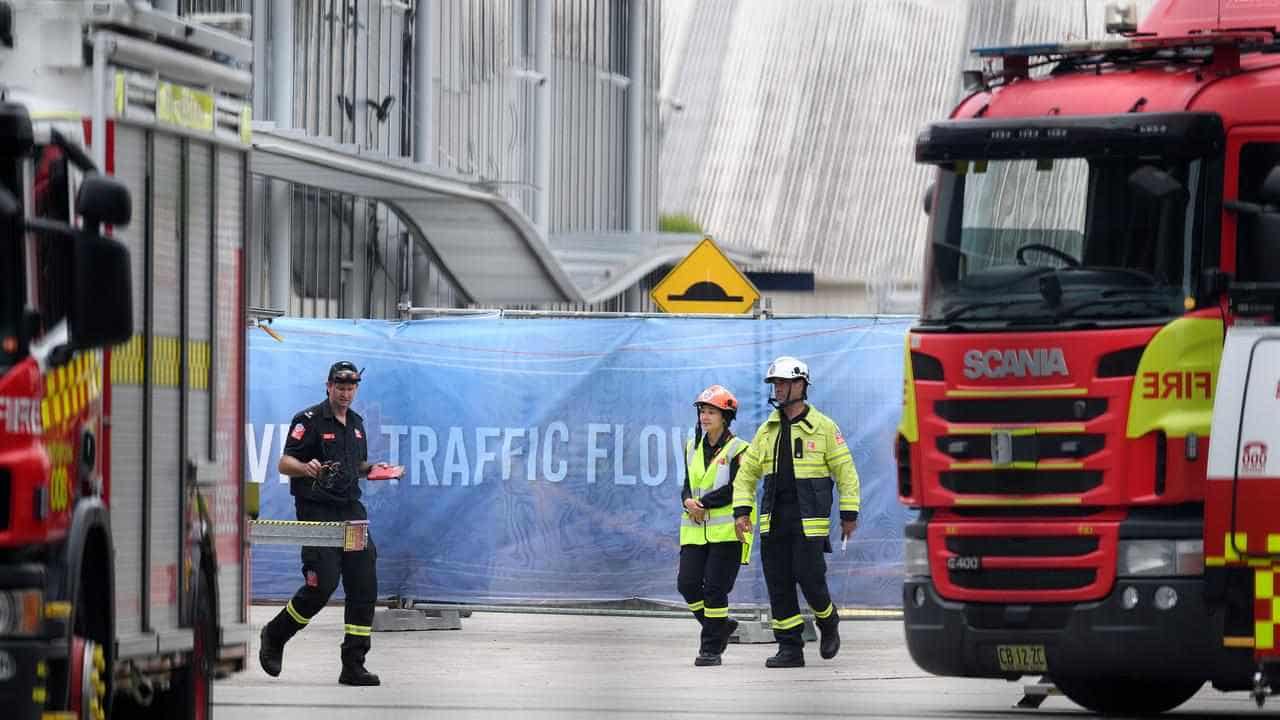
pixel 705 282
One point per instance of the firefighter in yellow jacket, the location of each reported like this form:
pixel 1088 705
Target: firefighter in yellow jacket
pixel 802 456
pixel 710 548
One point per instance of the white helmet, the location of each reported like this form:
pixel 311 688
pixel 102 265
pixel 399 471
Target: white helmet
pixel 787 368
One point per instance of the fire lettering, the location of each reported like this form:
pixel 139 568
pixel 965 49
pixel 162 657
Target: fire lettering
pixel 20 416
pixel 1186 385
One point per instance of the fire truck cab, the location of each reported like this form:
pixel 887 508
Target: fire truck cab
pixel 1100 217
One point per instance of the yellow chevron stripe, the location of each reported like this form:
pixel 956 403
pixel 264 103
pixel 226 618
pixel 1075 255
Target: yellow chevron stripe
pixel 128 362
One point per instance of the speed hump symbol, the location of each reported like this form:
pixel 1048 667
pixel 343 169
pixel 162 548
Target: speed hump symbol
pixel 705 281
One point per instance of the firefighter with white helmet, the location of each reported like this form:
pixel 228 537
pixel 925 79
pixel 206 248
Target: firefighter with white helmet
pixel 802 456
pixel 710 548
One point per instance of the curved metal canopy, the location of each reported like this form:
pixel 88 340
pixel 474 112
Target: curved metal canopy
pixel 491 250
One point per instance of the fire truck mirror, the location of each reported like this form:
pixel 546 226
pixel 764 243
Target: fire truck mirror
pixel 1263 248
pixel 1213 282
pixel 103 199
pixel 6 24
pixel 1156 184
pixel 15 130
pixel 9 206
pixel 1270 191
pixel 102 309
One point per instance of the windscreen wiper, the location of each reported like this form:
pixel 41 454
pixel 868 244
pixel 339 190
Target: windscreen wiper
pixel 1131 272
pixel 956 312
pixel 964 253
pixel 1163 303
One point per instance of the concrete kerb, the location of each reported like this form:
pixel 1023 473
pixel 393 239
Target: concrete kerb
pixel 755 623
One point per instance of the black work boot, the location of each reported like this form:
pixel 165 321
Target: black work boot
pixel 270 653
pixel 830 643
pixel 789 656
pixel 706 659
pixel 730 627
pixel 357 675
pixel 353 670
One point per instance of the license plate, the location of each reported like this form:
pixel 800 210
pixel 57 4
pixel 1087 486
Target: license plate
pixel 1021 658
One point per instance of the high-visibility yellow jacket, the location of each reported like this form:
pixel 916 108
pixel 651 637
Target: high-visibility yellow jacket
pixel 711 484
pixel 821 461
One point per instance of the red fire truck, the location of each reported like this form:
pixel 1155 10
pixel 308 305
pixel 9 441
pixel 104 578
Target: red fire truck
pixel 1102 212
pixel 123 168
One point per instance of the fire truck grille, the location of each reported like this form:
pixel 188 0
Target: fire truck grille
pixel 1020 410
pixel 1022 546
pixel 1020 482
pixel 981 616
pixel 1019 579
pixel 1046 446
pixel 1027 512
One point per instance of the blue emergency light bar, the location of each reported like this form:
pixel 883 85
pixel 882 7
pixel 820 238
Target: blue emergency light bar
pixel 1133 44
pixel 1046 49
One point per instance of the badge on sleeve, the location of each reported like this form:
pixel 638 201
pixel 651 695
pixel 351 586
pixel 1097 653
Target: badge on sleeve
pixel 359 435
pixel 839 439
pixel 298 431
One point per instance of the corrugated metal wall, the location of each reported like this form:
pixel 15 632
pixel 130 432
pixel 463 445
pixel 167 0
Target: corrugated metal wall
pixel 789 125
pixel 191 7
pixel 353 83
pixel 352 65
pixel 589 114
pixel 484 93
pixel 484 104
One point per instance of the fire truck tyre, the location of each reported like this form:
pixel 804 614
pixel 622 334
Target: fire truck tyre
pixel 192 692
pixel 1127 696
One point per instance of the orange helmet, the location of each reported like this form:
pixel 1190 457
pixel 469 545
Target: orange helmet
pixel 717 396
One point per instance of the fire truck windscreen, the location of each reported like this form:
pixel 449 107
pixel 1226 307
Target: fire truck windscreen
pixel 1078 239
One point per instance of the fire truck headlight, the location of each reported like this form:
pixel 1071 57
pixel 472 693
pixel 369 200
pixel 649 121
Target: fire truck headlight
pixel 915 552
pixel 20 612
pixel 1160 558
pixel 1165 598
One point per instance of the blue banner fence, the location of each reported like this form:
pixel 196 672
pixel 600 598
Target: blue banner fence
pixel 544 457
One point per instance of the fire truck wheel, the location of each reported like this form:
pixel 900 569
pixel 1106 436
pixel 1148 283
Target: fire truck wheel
pixel 87 683
pixel 189 695
pixel 1127 696
pixel 90 660
pixel 204 655
pixel 192 692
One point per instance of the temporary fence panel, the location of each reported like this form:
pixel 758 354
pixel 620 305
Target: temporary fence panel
pixel 545 457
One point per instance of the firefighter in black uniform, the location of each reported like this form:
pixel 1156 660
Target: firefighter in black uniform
pixel 325 455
